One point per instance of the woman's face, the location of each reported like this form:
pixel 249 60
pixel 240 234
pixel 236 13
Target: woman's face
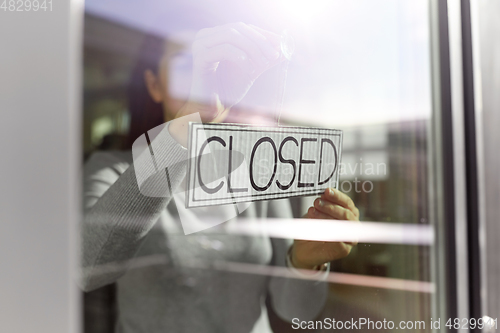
pixel 170 86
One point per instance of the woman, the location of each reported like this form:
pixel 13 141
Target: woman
pixel 164 278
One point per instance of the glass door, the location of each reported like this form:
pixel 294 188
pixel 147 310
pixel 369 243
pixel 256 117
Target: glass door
pixel 376 70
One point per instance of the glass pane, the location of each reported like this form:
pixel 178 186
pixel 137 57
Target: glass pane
pixel 361 66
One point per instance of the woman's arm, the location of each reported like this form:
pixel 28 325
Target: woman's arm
pixel 331 205
pixel 293 297
pixel 117 216
pixel 304 298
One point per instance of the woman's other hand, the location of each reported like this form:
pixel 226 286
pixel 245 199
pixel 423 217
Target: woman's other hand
pixel 226 61
pixel 335 205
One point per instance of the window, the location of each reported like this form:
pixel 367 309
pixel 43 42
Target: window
pixel 363 67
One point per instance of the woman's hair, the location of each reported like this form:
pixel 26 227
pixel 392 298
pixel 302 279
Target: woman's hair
pixel 145 113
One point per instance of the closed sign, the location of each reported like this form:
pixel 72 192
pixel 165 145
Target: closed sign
pixel 232 163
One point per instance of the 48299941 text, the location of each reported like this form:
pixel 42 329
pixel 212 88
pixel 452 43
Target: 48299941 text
pixel 26 5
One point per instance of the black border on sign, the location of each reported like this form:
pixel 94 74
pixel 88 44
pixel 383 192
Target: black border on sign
pixel 266 196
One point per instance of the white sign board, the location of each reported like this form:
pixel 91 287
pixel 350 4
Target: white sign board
pixel 232 163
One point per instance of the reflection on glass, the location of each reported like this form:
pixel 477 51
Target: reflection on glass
pixel 359 66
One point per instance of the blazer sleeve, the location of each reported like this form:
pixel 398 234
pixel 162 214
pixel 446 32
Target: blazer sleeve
pixel 116 215
pixel 298 295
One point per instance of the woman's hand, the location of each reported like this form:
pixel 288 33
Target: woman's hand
pixel 332 204
pixel 226 61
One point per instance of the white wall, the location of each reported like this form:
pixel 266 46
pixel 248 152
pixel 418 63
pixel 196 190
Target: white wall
pixel 40 149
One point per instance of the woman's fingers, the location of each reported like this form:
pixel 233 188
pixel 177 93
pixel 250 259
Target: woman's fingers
pixel 332 204
pixel 234 38
pixel 314 213
pixel 333 210
pixel 337 197
pixel 255 45
pixel 267 41
pixel 266 46
pixel 273 38
pixel 227 52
